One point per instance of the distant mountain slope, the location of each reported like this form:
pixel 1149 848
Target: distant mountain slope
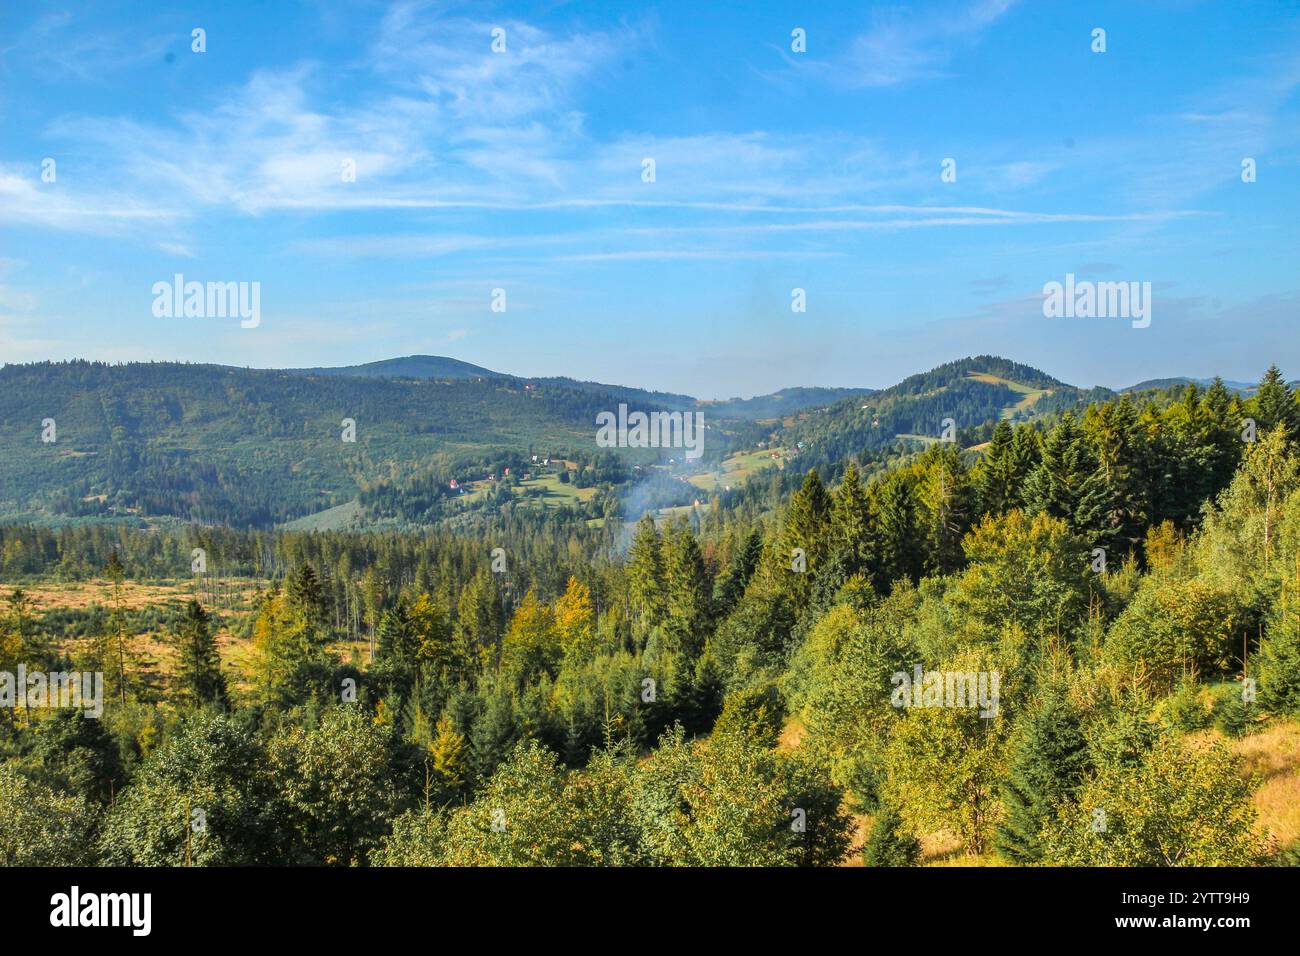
pixel 668 400
pixel 260 447
pixel 408 366
pixel 970 391
pixel 251 447
pixel 787 401
pixel 442 368
pixel 1160 384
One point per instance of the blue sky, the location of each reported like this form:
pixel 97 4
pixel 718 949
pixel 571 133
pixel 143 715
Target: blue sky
pixel 774 170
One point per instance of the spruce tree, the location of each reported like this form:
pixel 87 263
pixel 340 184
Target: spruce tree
pixel 807 527
pixel 113 650
pixel 1222 434
pixel 645 575
pixel 449 756
pixel 890 844
pixel 945 495
pixel 1275 404
pixel 1026 452
pixel 1068 482
pixel 480 617
pixel 198 671
pixel 397 644
pixel 1278 666
pixel 687 592
pixel 1047 765
pixel 1120 506
pixel 732 586
pixel 851 530
pixel 995 480
pixel 900 555
pixel 306 595
pixel 20 638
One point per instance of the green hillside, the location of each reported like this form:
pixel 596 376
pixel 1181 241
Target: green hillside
pixel 971 391
pixel 408 366
pixel 251 447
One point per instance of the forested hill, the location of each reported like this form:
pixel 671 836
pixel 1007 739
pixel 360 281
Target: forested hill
pixel 257 447
pixel 442 368
pixel 787 401
pixel 1119 587
pixel 408 366
pixel 250 447
pixel 1158 384
pixel 972 392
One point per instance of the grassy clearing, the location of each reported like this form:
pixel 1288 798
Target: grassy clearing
pixel 736 469
pixel 153 649
pixel 664 516
pixel 1273 755
pixel 152 646
pixel 555 492
pixel 339 518
pixel 1031 395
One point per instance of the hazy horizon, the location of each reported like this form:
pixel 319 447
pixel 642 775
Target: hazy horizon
pixel 652 387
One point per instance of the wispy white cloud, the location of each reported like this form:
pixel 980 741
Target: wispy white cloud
pixel 57 45
pixel 906 44
pixel 25 199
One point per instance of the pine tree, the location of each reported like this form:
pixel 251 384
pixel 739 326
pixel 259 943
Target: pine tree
pixel 1275 404
pixel 851 530
pixel 996 484
pixel 890 844
pixel 687 592
pixel 645 576
pixel 1047 764
pixel 198 671
pixel 945 496
pixel 900 556
pixel 732 586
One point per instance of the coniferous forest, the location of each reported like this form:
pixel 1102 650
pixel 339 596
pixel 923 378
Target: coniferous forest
pixel 719 687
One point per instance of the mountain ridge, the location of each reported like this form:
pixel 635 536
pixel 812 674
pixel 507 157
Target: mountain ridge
pixel 259 447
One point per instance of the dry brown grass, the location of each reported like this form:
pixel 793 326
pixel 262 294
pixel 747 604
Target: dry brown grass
pixel 1273 755
pixel 862 824
pixel 153 648
pixel 791 735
